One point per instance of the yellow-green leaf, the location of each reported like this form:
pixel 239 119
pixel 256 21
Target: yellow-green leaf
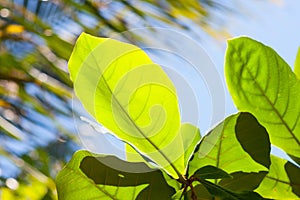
pixel 262 83
pixel 224 148
pixel 131 96
pixel 297 64
pixel 282 181
pixel 88 176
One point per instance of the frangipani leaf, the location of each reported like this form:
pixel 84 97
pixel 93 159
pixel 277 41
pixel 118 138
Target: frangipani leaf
pixel 131 96
pixel 221 148
pixel 90 177
pixel 297 64
pixel 282 181
pixel 262 83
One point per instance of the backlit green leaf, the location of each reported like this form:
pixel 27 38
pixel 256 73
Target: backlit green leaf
pixel 297 64
pixel 222 149
pixel 191 137
pixel 262 83
pixel 133 156
pixel 282 181
pixel 90 177
pixel 131 96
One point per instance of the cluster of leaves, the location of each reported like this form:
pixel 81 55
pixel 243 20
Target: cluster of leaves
pixel 35 90
pixel 119 84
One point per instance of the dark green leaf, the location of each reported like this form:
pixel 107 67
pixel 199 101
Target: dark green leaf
pixel 200 191
pixel 296 159
pixel 211 172
pixel 254 138
pixel 242 181
pixel 293 173
pixel 87 176
pixel 221 148
pixel 225 194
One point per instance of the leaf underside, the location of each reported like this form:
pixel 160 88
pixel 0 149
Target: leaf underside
pixel 262 83
pixel 131 96
pixel 282 181
pixel 88 176
pixel 222 149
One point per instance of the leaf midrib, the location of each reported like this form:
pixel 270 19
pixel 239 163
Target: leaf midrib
pixel 273 106
pixel 137 128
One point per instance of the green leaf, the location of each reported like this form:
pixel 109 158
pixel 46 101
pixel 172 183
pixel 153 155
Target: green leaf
pixel 199 190
pixel 296 159
pixel 282 181
pixel 262 83
pixel 253 138
pixel 133 156
pixel 221 148
pixel 191 137
pixel 242 181
pixel 211 172
pixel 90 177
pixel 297 64
pixel 172 182
pixel 225 194
pixel 131 96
